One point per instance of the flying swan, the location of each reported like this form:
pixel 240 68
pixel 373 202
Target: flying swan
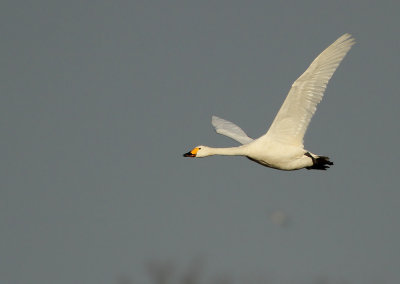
pixel 282 146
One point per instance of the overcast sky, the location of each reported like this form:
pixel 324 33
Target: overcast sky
pixel 100 99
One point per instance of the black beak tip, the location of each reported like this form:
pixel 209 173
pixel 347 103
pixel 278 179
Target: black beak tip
pixel 188 154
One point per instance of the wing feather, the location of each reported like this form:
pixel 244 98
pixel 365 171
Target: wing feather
pixel 230 129
pixel 293 118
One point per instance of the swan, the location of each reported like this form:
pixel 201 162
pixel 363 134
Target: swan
pixel 282 146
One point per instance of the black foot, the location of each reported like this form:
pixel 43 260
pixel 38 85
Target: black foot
pixel 319 163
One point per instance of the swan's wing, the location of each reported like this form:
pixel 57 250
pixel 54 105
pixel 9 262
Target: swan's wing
pixel 230 129
pixel 291 122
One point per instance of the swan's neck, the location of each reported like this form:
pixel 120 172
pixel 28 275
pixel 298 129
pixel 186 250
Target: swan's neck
pixel 232 151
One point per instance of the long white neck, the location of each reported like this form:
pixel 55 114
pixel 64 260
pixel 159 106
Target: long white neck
pixel 232 151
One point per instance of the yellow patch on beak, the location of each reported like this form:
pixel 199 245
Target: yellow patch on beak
pixel 191 153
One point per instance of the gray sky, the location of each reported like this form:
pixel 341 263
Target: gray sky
pixel 99 99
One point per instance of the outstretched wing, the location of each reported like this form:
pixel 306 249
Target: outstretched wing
pixel 293 118
pixel 230 129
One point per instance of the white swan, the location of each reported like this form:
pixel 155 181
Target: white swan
pixel 282 146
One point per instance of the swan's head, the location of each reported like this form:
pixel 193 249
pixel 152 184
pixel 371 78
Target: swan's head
pixel 198 152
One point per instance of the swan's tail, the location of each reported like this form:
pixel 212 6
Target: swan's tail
pixel 320 163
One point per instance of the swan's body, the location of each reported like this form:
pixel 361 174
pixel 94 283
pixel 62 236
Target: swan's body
pixel 282 146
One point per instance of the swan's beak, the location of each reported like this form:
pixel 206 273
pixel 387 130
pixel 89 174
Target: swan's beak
pixel 191 153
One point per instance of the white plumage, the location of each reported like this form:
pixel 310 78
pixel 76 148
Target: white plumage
pixel 230 129
pixel 282 146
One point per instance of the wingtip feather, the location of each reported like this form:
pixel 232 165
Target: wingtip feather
pixel 347 39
